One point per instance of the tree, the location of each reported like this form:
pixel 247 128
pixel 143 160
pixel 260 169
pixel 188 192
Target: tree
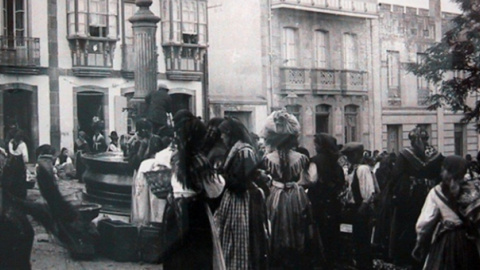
pixel 458 52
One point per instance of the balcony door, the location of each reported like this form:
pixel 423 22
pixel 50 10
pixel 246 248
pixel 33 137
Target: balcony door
pixel 13 22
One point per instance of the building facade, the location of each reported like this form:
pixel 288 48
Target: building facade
pixel 62 63
pixel 339 66
pixel 405 34
pixel 312 57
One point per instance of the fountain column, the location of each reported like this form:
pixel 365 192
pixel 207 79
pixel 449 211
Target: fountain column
pixel 144 24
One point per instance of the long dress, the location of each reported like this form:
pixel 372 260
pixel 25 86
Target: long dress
pixel 453 229
pixel 326 204
pixel 188 231
pixel 241 218
pixel 294 233
pixel 404 197
pixel 14 172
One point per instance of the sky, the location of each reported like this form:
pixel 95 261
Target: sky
pixel 447 5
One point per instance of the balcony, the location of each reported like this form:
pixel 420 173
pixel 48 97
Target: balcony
pixel 297 79
pixel 19 55
pixel 92 57
pixel 184 62
pixel 322 80
pixel 355 8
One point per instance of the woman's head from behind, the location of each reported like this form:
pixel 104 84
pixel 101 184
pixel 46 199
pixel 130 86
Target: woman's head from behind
pixel 232 131
pixel 213 135
pixel 454 169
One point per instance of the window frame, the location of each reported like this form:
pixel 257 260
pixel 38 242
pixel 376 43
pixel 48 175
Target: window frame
pixel 319 113
pixel 355 134
pixel 325 47
pixel 394 82
pixel 4 12
pixel 174 27
pixel 288 61
pixel 350 53
pixel 82 8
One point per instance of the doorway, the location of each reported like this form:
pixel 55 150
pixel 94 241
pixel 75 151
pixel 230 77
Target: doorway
pixel 181 102
pixel 18 110
pixel 89 106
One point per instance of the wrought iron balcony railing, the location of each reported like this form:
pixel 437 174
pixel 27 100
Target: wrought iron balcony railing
pixel 19 51
pixel 353 7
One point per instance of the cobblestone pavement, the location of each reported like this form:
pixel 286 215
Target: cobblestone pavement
pixel 48 254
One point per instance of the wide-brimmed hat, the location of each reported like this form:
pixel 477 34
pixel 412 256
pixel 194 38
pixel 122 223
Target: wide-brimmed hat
pixel 113 135
pixel 352 147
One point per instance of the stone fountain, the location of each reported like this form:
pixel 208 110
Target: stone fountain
pixel 108 181
pixel 108 177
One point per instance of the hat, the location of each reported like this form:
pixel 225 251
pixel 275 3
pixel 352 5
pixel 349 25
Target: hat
pixel 352 147
pixel 113 135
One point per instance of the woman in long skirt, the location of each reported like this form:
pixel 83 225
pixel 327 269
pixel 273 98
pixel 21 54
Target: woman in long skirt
pixel 241 217
pixel 449 221
pixel 14 172
pixel 188 228
pixel 295 242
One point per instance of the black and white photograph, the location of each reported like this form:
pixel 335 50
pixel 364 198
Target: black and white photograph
pixel 239 134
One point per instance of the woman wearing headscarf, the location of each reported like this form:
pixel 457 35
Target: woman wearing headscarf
pixel 324 194
pixel 241 217
pixel 289 209
pixel 188 231
pixel 14 172
pixel 447 228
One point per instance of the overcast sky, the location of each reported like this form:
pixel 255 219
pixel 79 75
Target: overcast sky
pixel 447 5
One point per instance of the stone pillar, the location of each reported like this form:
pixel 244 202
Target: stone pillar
pixel 144 24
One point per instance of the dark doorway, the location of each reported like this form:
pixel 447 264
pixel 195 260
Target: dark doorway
pixel 17 110
pixel 89 105
pixel 180 102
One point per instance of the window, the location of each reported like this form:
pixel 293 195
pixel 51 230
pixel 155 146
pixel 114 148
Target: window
pixel 13 21
pixel 351 123
pixel 394 140
pixel 92 18
pixel 129 9
pixel 92 31
pixel 321 49
pixel 289 49
pixel 423 91
pixel 184 21
pixel 350 57
pixel 322 118
pixel 460 138
pixel 393 77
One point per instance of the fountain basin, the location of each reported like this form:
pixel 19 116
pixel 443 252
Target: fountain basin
pixel 108 181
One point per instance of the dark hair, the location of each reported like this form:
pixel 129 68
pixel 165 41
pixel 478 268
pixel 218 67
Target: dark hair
pixel 190 133
pixel 213 135
pixel 17 139
pixel 143 124
pixel 236 130
pixel 62 157
pixel 325 143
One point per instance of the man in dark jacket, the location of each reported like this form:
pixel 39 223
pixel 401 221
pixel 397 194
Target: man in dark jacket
pixel 159 103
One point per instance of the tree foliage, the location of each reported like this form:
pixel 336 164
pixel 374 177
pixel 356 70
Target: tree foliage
pixel 458 52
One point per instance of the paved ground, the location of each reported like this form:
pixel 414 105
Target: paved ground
pixel 48 254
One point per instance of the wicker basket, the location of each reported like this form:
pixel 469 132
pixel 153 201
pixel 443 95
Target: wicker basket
pixel 159 182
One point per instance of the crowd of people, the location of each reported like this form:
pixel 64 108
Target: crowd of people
pixel 232 199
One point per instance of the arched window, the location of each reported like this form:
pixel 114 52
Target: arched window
pixel 322 118
pixel 351 123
